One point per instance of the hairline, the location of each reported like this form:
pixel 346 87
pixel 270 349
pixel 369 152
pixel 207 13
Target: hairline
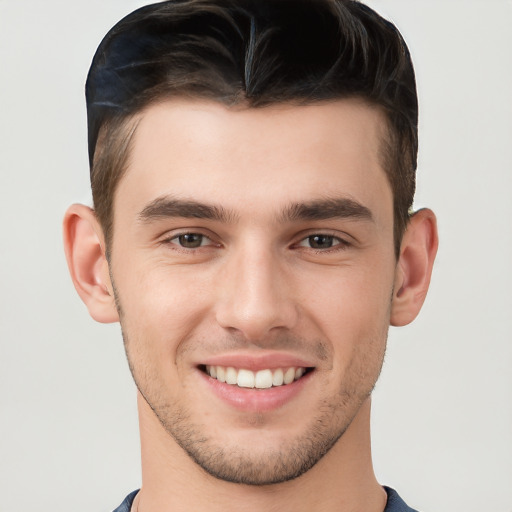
pixel 127 129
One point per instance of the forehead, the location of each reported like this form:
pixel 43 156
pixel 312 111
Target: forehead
pixel 256 157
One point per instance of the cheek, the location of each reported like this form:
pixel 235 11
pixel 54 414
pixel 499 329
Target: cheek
pixel 352 311
pixel 161 307
pixel 349 297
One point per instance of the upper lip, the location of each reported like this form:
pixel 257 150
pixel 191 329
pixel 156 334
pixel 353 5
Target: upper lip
pixel 255 362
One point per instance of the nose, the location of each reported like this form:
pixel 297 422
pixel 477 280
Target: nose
pixel 255 295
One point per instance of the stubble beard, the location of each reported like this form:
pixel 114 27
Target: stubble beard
pixel 243 466
pixel 237 464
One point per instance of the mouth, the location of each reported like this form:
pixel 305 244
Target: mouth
pixel 262 379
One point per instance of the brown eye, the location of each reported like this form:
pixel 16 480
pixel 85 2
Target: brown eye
pixel 190 240
pixel 321 241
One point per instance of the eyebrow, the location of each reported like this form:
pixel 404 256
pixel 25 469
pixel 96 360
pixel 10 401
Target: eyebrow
pixel 169 207
pixel 321 209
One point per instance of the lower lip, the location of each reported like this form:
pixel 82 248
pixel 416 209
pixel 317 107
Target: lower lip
pixel 256 400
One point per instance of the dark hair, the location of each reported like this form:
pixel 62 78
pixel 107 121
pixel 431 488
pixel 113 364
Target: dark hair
pixel 255 52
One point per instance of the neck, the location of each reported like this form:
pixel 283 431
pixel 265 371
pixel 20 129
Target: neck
pixel 343 480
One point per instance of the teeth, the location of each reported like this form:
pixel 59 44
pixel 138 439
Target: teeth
pixel 289 376
pixel 231 375
pixel 263 379
pixel 245 379
pixel 221 373
pixel 278 377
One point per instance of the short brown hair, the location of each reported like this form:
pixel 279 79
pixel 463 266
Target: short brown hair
pixel 255 52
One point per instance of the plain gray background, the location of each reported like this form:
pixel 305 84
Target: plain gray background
pixel 442 425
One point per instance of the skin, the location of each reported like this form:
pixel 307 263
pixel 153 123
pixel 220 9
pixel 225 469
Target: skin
pixel 257 286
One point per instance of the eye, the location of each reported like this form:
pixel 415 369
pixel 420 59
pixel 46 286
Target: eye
pixel 319 241
pixel 190 240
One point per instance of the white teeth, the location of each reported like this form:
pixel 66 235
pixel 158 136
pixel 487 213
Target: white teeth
pixel 231 375
pixel 245 379
pixel 289 376
pixel 221 374
pixel 262 379
pixel 278 377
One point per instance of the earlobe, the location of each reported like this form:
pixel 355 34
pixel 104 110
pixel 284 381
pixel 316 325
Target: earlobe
pixel 88 265
pixel 414 268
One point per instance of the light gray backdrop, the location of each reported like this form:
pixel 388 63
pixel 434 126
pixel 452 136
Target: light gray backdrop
pixel 442 425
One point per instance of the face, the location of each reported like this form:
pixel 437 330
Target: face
pixel 253 266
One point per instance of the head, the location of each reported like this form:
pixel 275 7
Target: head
pixel 252 53
pixel 252 167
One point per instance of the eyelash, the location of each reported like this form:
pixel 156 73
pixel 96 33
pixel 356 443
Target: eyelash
pixel 339 244
pixel 173 240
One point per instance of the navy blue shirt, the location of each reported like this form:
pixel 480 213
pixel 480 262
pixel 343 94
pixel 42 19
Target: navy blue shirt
pixel 394 504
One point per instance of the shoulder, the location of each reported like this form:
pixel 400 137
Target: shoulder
pixel 395 503
pixel 127 503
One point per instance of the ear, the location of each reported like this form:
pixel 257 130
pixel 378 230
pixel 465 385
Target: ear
pixel 414 267
pixel 84 245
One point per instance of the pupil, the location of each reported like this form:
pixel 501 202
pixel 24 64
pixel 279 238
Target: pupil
pixel 191 240
pixel 320 241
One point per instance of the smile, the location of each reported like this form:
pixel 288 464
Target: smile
pixel 261 379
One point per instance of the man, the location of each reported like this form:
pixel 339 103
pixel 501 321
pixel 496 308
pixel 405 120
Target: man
pixel 252 169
